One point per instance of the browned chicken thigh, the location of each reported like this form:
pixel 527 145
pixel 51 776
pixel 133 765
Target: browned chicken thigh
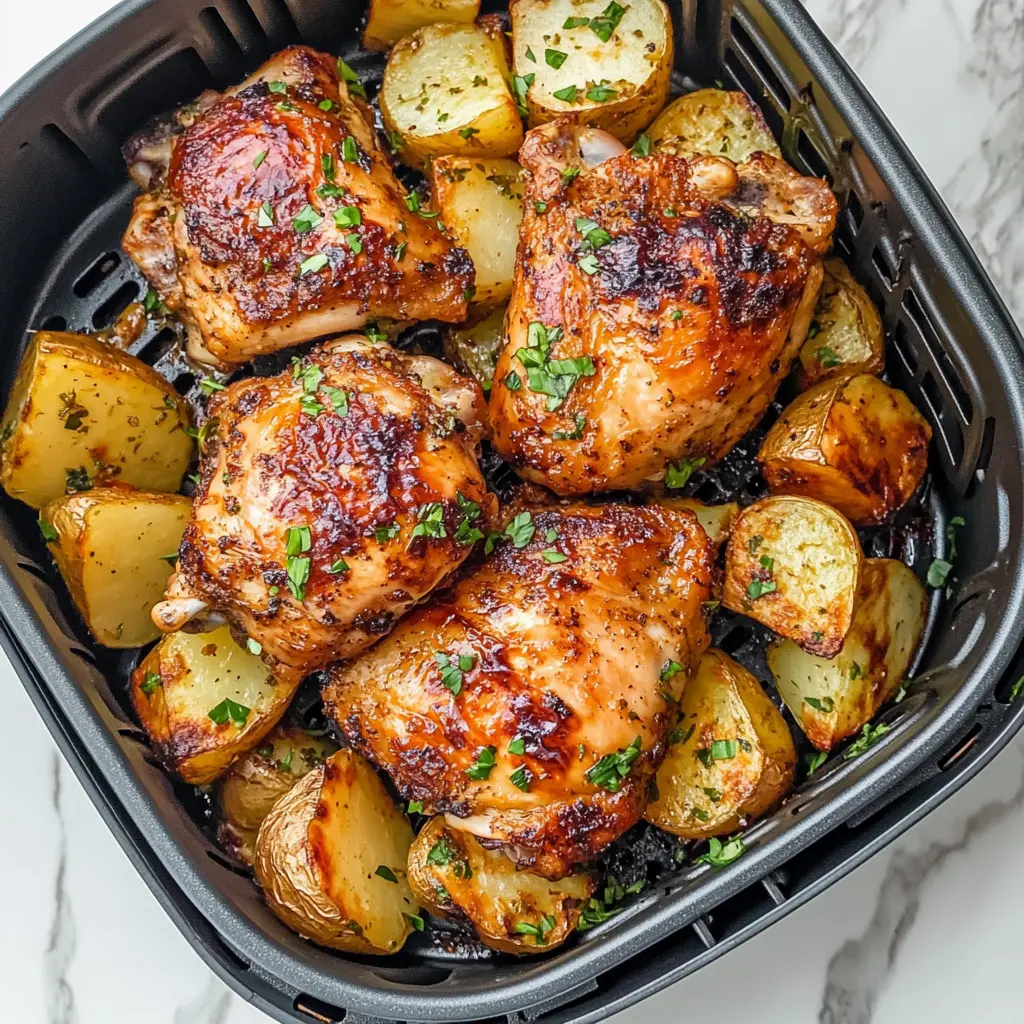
pixel 657 305
pixel 531 705
pixel 332 498
pixel 272 217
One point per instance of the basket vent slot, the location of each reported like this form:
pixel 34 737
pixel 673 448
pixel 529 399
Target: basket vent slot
pixel 96 274
pixel 746 81
pixel 854 210
pixel 886 271
pixel 810 156
pixel 984 457
pixel 231 57
pixel 54 323
pixel 947 424
pixel 962 748
pixel 316 1009
pixel 904 346
pixel 218 858
pixel 108 311
pixel 770 81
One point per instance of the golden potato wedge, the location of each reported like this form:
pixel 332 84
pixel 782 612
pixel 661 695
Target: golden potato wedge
pixel 609 64
pixel 254 783
pixel 391 20
pixel 481 205
pixel 793 564
pixel 84 413
pixel 114 547
pixel 452 875
pixel 853 442
pixel 204 701
pixel 474 348
pixel 833 698
pixel 731 757
pixel 845 335
pixel 713 122
pixel 331 857
pixel 445 90
pixel 716 520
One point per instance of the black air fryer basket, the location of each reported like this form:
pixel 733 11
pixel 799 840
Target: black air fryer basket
pixel 64 200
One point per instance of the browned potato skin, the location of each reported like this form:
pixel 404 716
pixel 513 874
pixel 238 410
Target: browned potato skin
pixel 723 701
pixel 855 443
pixel 769 528
pixel 253 784
pixel 493 895
pixel 302 862
pixel 845 322
pixel 391 20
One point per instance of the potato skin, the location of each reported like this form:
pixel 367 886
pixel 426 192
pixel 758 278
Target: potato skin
pixel 713 122
pixel 846 334
pixel 810 554
pixel 317 853
pixel 391 20
pixel 484 887
pixel 888 623
pixel 854 443
pixel 696 800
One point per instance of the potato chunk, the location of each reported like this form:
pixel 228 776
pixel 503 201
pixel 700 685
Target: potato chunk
pixel 845 335
pixel 481 205
pixel 716 520
pixel 608 63
pixel 853 442
pixel 474 348
pixel 452 875
pixel 331 857
pixel 445 90
pixel 833 699
pixel 205 701
pixel 254 783
pixel 713 122
pixel 111 545
pixel 730 759
pixel 83 413
pixel 391 20
pixel 793 564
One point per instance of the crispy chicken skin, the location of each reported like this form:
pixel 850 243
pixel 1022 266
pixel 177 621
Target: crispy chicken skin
pixel 577 659
pixel 375 453
pixel 231 235
pixel 682 319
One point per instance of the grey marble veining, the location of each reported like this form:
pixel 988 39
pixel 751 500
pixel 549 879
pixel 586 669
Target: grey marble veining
pixel 211 1006
pixel 60 948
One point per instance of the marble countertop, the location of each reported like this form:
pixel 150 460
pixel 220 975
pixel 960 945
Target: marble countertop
pixel 925 931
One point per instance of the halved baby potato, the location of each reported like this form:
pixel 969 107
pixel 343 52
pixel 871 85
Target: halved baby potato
pixel 331 857
pixel 845 335
pixel 793 563
pixel 114 547
pixel 713 122
pixel 833 698
pixel 853 442
pixel 452 875
pixel 391 20
pixel 608 63
pixel 474 347
pixel 716 520
pixel 84 413
pixel 204 701
pixel 481 206
pixel 730 758
pixel 445 91
pixel 254 783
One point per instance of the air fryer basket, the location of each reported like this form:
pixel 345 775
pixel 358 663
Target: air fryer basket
pixel 64 199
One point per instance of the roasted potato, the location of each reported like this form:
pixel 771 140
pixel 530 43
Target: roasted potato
pixel 83 413
pixel 713 122
pixel 391 20
pixel 730 758
pixel 793 564
pixel 716 520
pixel 609 64
pixel 331 857
pixel 114 547
pixel 205 701
pixel 445 90
pixel 474 348
pixel 481 205
pixel 845 335
pixel 452 875
pixel 254 783
pixel 833 698
pixel 853 442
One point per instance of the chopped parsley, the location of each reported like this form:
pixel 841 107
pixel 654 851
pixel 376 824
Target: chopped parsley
pixel 277 87
pixel 593 234
pixel 823 704
pixel 229 709
pixel 452 669
pixel 430 522
pixel 347 217
pixel 642 146
pixel 208 385
pixel 566 95
pixel 298 540
pixel 539 931
pixel 306 219
pixel 468 133
pixel 589 264
pixel 521 530
pixel 465 533
pixel 530 55
pixel 520 85
pixel 349 150
pixel 517 745
pixel 553 556
pixel 337 567
pixel 415 920
pixel 938 573
pixel 554 58
pixel 721 854
pixel 265 218
pixel 869 736
pixel 607 21
pixel 312 264
pixel 151 683
pixel 552 377
pixel 383 871
pixel 539 206
pixel 77 480
pixel 415 807
pixel 670 669
pixel 385 533
pixel 815 761
pixel 609 772
pixel 481 769
pixel 571 435
pixel 601 94
pixel 678 475
pixel 521 778
pixel 442 852
pixel 259 158
pixel 253 646
pixel 676 736
pixel 355 243
pixel 349 77
pixel 827 357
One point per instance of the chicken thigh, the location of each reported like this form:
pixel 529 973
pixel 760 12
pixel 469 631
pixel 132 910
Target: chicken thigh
pixel 657 304
pixel 531 705
pixel 332 497
pixel 272 217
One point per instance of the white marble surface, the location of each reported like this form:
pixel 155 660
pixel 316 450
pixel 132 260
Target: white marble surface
pixel 926 931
